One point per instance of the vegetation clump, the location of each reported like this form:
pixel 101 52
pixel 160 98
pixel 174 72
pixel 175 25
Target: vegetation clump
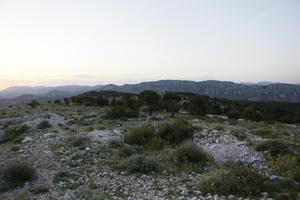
pixel 139 163
pixel 265 133
pixel 61 176
pixel 176 132
pixel 79 140
pixel 17 174
pixel 119 112
pixel 285 165
pixel 14 132
pixel 140 135
pixel 274 146
pixel 190 153
pixel 44 125
pixel 239 180
pixel 127 151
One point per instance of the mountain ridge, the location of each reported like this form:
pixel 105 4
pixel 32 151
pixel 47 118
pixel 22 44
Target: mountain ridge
pixel 281 92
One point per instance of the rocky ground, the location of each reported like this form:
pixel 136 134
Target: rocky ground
pixel 90 168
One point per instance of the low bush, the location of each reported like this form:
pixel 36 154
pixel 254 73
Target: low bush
pixel 176 132
pixel 119 112
pixel 89 194
pixel 17 174
pixel 274 146
pixel 296 175
pixel 265 133
pixel 115 143
pixel 156 143
pixel 140 135
pixel 240 133
pixel 13 132
pixel 61 176
pixel 139 163
pixel 44 125
pixel 285 165
pixel 39 190
pixel 127 151
pixel 247 182
pixel 239 180
pixel 190 153
pixel 79 140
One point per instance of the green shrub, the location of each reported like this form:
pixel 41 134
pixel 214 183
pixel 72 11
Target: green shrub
pixel 79 140
pixel 140 135
pixel 139 163
pixel 89 194
pixel 239 180
pixel 12 132
pixel 17 174
pixel 240 133
pixel 176 132
pixel 61 176
pixel 39 190
pixel 274 146
pixel 156 143
pixel 190 153
pixel 44 125
pixel 127 151
pixel 285 165
pixel 115 143
pixel 119 112
pixel 265 133
pixel 296 175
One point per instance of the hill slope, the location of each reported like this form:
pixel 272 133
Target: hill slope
pixel 218 89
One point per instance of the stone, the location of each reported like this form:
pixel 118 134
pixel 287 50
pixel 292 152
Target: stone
pixel 2 135
pixel 27 139
pixel 104 136
pixel 49 135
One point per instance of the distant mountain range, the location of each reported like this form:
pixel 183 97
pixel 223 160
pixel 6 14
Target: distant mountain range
pixel 263 91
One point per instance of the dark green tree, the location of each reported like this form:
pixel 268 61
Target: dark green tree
pixel 151 99
pixel 198 105
pixel 33 104
pixel 170 101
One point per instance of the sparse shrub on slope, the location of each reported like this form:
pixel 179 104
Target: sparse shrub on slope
pixel 79 140
pixel 274 146
pixel 140 135
pixel 176 132
pixel 119 112
pixel 127 151
pixel 14 132
pixel 16 174
pixel 44 125
pixel 285 165
pixel 265 133
pixel 239 180
pixel 190 153
pixel 139 163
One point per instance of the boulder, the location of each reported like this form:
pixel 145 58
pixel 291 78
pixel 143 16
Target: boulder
pixel 104 136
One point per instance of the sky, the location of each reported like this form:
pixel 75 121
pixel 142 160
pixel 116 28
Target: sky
pixel 87 42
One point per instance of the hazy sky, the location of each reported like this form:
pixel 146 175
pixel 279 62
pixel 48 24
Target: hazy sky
pixel 55 42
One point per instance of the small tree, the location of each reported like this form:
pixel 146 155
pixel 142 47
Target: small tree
pixel 198 105
pixel 33 104
pixel 150 98
pixel 101 101
pixel 67 101
pixel 170 101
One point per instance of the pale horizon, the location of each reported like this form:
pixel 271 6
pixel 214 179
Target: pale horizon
pixel 51 43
